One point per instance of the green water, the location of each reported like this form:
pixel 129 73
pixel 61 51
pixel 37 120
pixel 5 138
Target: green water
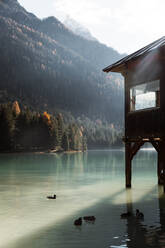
pixel 91 183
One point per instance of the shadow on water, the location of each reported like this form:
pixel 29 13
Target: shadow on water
pixel 138 233
pixel 131 232
pixel 67 235
pixel 109 230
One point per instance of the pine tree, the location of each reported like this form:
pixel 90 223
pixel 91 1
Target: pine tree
pixel 65 142
pixel 7 127
pixel 84 143
pixel 71 137
pixel 60 128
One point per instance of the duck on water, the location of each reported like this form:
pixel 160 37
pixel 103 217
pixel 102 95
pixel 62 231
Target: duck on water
pixel 125 215
pixel 51 197
pixel 78 222
pixel 89 218
pixel 139 215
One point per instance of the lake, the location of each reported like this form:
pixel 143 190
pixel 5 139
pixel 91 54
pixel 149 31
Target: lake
pixel 90 183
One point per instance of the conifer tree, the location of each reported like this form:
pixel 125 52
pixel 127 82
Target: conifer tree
pixel 60 128
pixel 84 143
pixel 65 142
pixel 7 127
pixel 71 137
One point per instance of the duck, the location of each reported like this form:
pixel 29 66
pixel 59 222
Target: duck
pixel 78 222
pixel 52 197
pixel 89 218
pixel 125 215
pixel 139 215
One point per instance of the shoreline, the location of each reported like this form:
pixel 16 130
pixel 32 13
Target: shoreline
pixel 54 151
pixel 41 152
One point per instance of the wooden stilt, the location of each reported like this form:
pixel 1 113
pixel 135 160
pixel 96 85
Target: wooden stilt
pixel 128 169
pixel 161 163
pixel 159 169
pixel 157 146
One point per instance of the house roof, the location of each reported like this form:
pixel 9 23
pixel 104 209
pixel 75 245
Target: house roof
pixel 119 65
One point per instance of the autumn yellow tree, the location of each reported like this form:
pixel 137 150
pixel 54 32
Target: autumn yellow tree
pixel 46 117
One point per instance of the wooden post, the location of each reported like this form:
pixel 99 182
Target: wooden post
pixel 159 168
pixel 161 164
pixel 128 167
pixel 161 207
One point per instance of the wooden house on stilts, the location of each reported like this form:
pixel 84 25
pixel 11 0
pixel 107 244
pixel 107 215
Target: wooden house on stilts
pixel 144 80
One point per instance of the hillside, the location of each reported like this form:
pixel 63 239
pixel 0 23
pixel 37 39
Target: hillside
pixel 46 66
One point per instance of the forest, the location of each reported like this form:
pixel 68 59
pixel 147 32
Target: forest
pixel 26 130
pixel 31 131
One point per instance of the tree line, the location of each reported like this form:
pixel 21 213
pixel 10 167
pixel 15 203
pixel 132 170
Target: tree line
pixel 100 133
pixel 26 130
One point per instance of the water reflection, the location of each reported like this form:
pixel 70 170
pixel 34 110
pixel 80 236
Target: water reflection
pixel 86 184
pixel 138 233
pixel 16 169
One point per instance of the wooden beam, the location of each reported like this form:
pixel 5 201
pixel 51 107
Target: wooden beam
pixel 146 139
pixel 138 139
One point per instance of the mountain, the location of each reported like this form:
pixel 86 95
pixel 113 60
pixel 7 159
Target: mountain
pixel 78 29
pixel 46 66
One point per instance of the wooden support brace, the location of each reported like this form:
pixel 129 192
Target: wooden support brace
pixel 156 145
pixel 135 148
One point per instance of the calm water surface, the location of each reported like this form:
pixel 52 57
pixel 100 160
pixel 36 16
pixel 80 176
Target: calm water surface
pixel 91 183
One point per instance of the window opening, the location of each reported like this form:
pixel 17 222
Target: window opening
pixel 145 95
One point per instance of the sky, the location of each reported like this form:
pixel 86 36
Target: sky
pixel 125 25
